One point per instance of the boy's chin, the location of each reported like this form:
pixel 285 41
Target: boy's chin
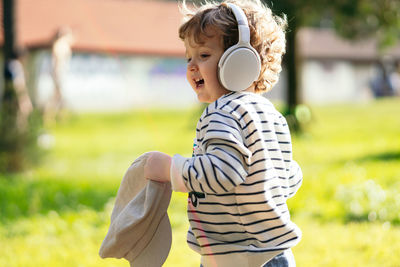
pixel 203 99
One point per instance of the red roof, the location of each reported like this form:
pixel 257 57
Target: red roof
pixel 110 26
pixel 149 27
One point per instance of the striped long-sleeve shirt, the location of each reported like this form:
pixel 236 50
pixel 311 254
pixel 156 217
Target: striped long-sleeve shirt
pixel 242 167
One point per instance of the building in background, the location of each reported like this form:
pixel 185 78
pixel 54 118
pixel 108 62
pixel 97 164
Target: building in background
pixel 127 54
pixel 338 70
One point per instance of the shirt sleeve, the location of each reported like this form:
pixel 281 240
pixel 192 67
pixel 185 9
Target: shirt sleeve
pixel 223 163
pixel 295 178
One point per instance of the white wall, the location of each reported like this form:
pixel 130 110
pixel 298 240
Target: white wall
pixel 102 82
pixel 335 81
pixel 115 83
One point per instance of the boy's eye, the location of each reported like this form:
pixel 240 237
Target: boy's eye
pixel 204 55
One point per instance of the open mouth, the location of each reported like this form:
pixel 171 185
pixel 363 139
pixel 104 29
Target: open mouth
pixel 199 82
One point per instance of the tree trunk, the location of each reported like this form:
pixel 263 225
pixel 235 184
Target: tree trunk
pixel 9 28
pixel 292 65
pixel 11 140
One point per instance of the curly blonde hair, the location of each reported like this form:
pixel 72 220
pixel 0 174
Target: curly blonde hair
pixel 267 33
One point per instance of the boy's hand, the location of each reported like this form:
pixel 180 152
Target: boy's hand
pixel 157 167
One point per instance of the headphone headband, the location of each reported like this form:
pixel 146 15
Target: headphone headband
pixel 243 25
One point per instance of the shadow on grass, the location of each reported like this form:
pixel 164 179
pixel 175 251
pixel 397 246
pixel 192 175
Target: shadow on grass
pixel 23 198
pixel 385 156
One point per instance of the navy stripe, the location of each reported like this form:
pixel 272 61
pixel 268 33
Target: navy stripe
pixel 226 152
pixel 233 110
pixel 284 143
pixel 190 242
pixel 201 188
pixel 296 184
pixel 220 131
pixel 196 171
pixel 205 126
pixel 238 204
pixel 244 251
pixel 280 124
pixel 223 139
pixel 227 176
pixel 228 94
pixel 260 181
pixel 247 124
pixel 244 114
pixel 220 233
pixel 294 175
pixel 240 232
pixel 190 178
pixel 227 103
pixel 235 223
pixel 282 133
pixel 228 145
pixel 294 238
pixel 220 122
pixel 205 175
pixel 252 144
pixel 216 177
pixel 231 214
pixel 243 240
pixel 259 104
pixel 222 115
pixel 257 151
pixel 258 171
pixel 239 97
pixel 250 134
pixel 252 193
pixel 227 163
pixel 213 223
pixel 239 194
pixel 257 161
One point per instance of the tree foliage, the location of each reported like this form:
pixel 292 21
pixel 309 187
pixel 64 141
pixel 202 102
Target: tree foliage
pixel 366 18
pixel 353 19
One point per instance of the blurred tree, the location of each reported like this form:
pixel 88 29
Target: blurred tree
pixel 18 123
pixel 363 18
pixel 351 19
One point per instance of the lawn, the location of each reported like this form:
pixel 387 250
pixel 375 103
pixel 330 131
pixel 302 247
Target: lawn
pixel 57 214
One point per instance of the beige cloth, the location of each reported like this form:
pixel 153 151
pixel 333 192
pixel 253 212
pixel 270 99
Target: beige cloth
pixel 140 230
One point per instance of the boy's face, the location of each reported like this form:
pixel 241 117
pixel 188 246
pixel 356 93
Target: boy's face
pixel 202 66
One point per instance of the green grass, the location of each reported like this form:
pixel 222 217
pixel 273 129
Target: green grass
pixel 348 207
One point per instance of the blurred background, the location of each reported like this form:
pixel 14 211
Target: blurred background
pixel 89 85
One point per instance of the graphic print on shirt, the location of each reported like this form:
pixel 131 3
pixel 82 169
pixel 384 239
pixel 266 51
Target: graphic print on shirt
pixel 194 196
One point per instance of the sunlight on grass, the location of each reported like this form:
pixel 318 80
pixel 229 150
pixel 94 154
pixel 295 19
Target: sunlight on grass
pixel 348 206
pixel 353 244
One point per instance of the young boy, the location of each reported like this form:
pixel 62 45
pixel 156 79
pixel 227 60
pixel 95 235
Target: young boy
pixel 241 172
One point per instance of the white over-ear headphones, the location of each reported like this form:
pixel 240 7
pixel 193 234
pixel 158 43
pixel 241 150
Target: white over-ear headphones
pixel 240 65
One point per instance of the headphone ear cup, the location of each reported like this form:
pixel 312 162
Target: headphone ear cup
pixel 238 68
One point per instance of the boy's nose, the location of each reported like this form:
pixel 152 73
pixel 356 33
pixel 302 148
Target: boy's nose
pixel 192 66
